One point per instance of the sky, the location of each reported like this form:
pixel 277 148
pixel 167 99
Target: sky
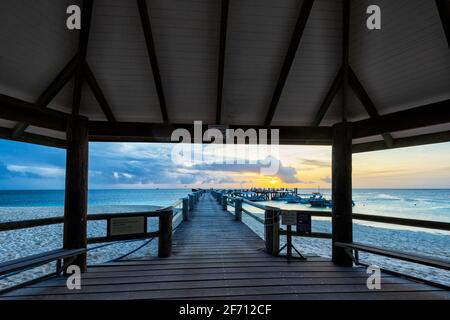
pixel 145 165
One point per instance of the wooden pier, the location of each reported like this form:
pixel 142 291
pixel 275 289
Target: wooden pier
pixel 214 256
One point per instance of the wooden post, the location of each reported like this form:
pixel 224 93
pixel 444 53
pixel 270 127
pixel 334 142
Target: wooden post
pixel 238 209
pixel 76 193
pixel 165 234
pixel 342 191
pixel 185 209
pixel 272 231
pixel 191 202
pixel 224 202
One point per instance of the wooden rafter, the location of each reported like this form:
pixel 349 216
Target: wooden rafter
pixel 223 38
pixel 423 116
pixel 86 16
pixel 335 86
pixel 21 111
pixel 368 104
pixel 6 133
pixel 98 93
pixel 159 132
pixel 345 55
pixel 289 58
pixel 443 8
pixel 418 140
pixel 147 29
pixel 49 93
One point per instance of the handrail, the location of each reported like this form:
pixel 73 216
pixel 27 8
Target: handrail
pixel 425 224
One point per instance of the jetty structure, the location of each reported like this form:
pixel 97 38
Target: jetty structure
pixel 138 70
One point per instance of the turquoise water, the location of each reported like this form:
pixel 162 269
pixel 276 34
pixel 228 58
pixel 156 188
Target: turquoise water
pixel 423 204
pixel 55 198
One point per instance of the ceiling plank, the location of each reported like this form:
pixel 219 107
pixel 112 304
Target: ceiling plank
pixel 147 29
pixel 49 93
pixel 423 116
pixel 289 58
pixel 98 93
pixel 223 38
pixel 443 8
pixel 335 86
pixel 86 15
pixel 368 104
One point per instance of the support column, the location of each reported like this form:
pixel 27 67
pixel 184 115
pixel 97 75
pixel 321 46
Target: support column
pixel 342 191
pixel 76 193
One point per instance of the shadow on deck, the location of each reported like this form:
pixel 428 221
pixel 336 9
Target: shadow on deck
pixel 216 257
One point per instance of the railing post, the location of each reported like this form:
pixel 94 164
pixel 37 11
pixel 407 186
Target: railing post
pixel 165 234
pixel 191 202
pixel 238 209
pixel 272 231
pixel 185 209
pixel 224 202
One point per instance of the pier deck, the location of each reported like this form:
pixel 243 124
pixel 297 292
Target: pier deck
pixel 216 257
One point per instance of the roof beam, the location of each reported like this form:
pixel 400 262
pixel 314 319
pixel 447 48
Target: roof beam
pixel 98 93
pixel 363 96
pixel 423 116
pixel 335 86
pixel 49 93
pixel 86 15
pixel 418 140
pixel 223 38
pixel 18 110
pixel 289 58
pixel 6 133
pixel 443 9
pixel 158 132
pixel 147 29
pixel 345 55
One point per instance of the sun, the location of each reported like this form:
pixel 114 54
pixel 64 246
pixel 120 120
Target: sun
pixel 273 181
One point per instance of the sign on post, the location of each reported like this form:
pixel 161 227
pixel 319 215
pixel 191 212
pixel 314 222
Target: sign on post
pixel 288 218
pixel 127 226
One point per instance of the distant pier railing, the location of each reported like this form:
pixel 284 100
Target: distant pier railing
pixel 273 230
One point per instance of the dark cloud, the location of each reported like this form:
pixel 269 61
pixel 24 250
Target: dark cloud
pixel 326 179
pixel 316 163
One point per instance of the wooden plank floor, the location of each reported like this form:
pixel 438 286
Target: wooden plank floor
pixel 215 257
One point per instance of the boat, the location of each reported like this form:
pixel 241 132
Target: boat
pixel 251 196
pixel 317 200
pixel 296 199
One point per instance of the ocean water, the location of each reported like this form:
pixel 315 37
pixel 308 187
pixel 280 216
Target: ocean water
pixel 423 204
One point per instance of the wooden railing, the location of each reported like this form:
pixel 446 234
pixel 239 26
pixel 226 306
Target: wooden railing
pixel 271 220
pixel 117 224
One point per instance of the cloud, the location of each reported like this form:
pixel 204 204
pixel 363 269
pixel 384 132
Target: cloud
pixel 316 163
pixel 36 171
pixel 285 173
